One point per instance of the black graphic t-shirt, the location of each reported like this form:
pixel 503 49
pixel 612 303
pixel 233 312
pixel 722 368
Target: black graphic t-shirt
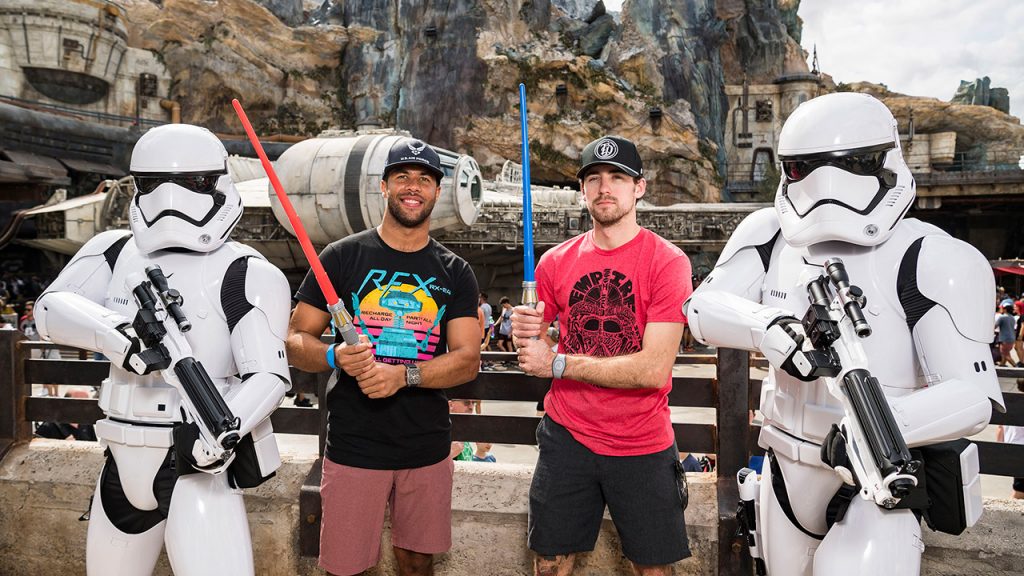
pixel 402 301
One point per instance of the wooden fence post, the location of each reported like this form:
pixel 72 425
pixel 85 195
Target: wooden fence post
pixel 733 389
pixel 13 427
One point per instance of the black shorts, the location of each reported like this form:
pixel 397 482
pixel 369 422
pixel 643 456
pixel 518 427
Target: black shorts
pixel 571 486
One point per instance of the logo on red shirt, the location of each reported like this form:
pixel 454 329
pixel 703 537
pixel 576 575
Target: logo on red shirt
pixel 601 319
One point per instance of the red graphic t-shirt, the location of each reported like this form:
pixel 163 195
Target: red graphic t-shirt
pixel 603 301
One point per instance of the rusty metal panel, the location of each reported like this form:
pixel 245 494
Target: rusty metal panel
pixel 310 511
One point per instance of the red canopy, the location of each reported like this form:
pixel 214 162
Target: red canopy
pixel 1019 270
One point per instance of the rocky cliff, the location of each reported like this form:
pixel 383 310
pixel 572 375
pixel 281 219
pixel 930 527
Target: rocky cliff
pixel 448 73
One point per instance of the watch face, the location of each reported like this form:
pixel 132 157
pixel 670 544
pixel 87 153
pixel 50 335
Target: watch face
pixel 558 367
pixel 412 375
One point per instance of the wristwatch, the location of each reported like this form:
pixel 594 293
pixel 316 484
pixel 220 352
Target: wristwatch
pixel 412 376
pixel 558 365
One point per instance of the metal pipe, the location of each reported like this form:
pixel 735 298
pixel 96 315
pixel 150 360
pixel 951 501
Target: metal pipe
pixel 173 107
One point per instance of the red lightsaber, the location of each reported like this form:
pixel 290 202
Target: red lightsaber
pixel 342 319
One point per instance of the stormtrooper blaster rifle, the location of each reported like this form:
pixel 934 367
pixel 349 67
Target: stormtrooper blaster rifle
pixel 161 325
pixel 834 324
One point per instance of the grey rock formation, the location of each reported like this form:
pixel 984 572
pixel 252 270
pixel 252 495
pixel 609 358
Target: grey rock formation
pixel 413 67
pixel 288 11
pixel 584 10
pixel 687 36
pixel 763 41
pixel 980 93
pixel 593 39
pixel 327 12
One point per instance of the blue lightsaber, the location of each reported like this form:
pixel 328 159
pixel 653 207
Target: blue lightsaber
pixel 529 296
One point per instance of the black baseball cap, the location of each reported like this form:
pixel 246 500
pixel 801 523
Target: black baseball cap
pixel 614 151
pixel 413 152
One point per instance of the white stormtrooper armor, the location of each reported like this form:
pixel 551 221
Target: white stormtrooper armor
pixel 844 191
pixel 153 489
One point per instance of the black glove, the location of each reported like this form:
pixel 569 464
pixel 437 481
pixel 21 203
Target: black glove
pixel 782 345
pixel 834 454
pixel 139 361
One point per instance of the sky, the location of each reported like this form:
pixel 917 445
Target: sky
pixel 917 47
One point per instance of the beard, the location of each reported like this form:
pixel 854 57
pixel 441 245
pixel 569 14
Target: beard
pixel 395 208
pixel 609 215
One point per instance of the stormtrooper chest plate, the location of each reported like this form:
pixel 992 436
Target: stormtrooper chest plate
pixel 807 409
pixel 198 278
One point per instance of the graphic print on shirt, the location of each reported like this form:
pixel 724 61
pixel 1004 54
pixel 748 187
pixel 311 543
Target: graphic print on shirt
pixel 601 320
pixel 400 318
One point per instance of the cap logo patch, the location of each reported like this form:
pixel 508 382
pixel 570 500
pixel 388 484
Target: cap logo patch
pixel 416 147
pixel 606 149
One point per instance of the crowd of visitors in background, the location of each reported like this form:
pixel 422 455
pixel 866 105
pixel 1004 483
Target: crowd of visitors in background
pixel 1008 341
pixel 17 296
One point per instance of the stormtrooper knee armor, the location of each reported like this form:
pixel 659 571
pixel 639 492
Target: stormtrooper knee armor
pixel 164 481
pixel 844 191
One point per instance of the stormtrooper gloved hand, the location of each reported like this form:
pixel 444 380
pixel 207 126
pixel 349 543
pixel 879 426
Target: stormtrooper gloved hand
pixel 834 454
pixel 782 345
pixel 125 350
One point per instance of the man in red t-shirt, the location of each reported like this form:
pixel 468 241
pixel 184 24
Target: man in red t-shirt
pixel 617 292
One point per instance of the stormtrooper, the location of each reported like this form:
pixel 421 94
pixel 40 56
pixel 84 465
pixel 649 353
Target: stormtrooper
pixel 844 191
pixel 194 327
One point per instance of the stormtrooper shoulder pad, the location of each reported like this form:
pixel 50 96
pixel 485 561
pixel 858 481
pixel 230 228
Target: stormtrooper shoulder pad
pixel 953 275
pixel 759 231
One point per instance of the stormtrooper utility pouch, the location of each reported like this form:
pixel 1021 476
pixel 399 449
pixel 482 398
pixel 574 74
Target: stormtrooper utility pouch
pixel 256 455
pixel 256 458
pixel 951 479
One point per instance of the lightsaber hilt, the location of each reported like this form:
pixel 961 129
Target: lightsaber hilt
pixel 529 296
pixel 343 323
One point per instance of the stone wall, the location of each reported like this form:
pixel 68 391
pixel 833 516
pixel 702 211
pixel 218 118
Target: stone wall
pixel 45 487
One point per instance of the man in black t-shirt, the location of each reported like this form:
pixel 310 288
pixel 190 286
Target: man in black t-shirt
pixel 389 434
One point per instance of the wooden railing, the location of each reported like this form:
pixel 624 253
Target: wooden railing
pixel 732 392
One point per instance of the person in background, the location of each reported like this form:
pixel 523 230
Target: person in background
pixel 1018 345
pixel 1013 435
pixel 486 321
pixel 68 430
pixel 504 340
pixel 464 450
pixel 1006 334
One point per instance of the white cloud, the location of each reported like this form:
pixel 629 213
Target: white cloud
pixel 919 47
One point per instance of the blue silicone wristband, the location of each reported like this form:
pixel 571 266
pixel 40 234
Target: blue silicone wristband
pixel 330 357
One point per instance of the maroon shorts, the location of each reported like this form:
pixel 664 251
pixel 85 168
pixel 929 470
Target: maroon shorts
pixel 354 499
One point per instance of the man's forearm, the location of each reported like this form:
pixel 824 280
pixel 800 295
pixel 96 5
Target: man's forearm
pixel 451 369
pixel 632 371
pixel 306 352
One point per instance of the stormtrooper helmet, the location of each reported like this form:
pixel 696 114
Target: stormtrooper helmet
pixel 843 173
pixel 184 197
